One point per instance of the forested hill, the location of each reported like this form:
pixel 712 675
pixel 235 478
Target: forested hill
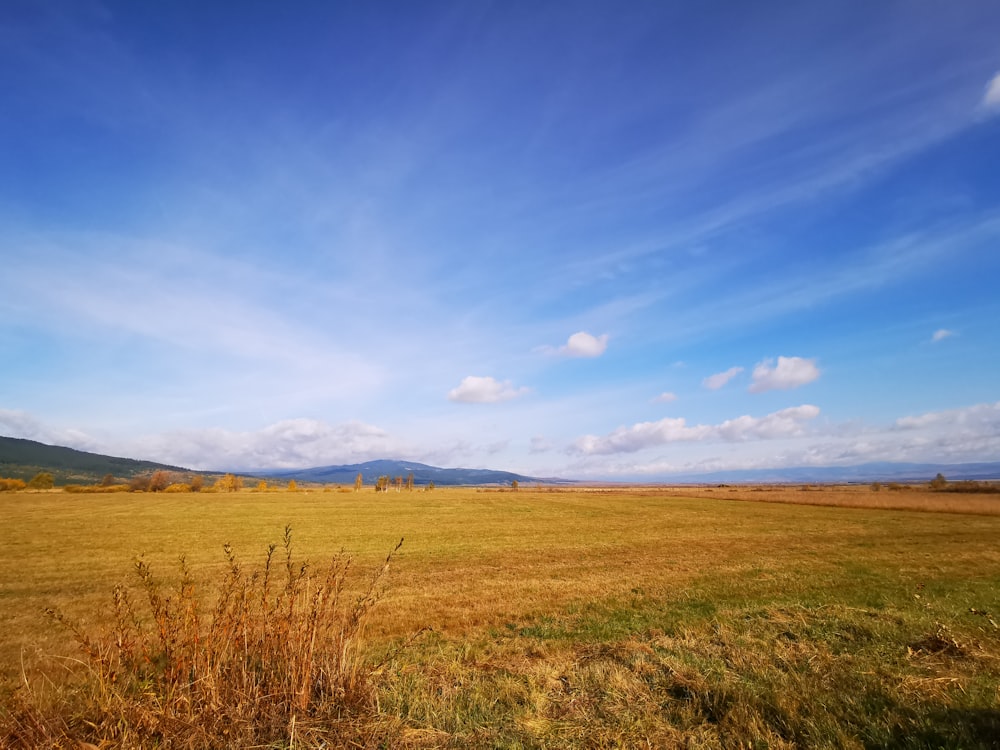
pixel 22 459
pixel 422 474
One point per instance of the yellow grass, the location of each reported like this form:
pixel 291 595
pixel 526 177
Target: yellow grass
pixel 901 497
pixel 520 588
pixel 471 558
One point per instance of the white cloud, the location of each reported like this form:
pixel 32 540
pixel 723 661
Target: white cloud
pixel 790 372
pixel 941 334
pixel 484 390
pixel 19 424
pixel 715 382
pixel 967 434
pixel 290 443
pixel 991 97
pixel 583 344
pixel 665 398
pixel 539 444
pixel 780 424
pixel 983 419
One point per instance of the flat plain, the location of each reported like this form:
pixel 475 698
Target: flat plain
pixel 590 617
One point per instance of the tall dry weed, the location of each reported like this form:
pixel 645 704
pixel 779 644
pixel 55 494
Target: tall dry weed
pixel 279 655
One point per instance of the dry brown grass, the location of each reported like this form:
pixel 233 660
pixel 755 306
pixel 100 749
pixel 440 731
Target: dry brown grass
pixel 270 655
pixel 902 497
pixel 586 617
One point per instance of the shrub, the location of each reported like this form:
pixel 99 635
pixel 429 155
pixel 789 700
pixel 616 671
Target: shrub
pixel 41 481
pixel 177 487
pixel 159 481
pixel 138 484
pixel 12 485
pixel 279 658
pixel 95 488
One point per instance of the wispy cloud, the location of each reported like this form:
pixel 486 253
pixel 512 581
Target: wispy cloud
pixel 991 96
pixel 20 424
pixel 981 419
pixel 540 444
pixel 780 424
pixel 790 372
pixel 941 334
pixel 476 389
pixel 715 382
pixel 665 398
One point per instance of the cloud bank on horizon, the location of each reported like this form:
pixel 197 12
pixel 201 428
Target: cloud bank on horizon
pixel 488 236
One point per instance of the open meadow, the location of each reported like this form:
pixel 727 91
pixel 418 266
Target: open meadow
pixel 566 617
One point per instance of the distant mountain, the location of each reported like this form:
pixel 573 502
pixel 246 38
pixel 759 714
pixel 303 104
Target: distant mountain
pixel 422 474
pixel 870 472
pixel 22 459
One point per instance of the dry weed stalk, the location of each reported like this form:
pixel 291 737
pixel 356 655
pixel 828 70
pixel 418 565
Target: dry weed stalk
pixel 273 658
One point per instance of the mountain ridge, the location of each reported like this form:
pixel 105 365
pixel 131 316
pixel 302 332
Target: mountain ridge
pixel 23 458
pixel 422 473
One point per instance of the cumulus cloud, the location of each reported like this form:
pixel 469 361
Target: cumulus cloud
pixel 476 389
pixel 715 382
pixel 991 97
pixel 790 372
pixel 665 398
pixel 583 344
pixel 941 334
pixel 290 443
pixel 780 424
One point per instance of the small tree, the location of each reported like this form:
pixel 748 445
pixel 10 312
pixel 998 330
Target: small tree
pixel 159 481
pixel 876 486
pixel 109 479
pixel 513 484
pixel 197 482
pixel 409 481
pixel 262 485
pixel 399 483
pixel 41 481
pixel 939 482
pixel 358 482
pixel 229 483
pixel 430 485
pixel 292 486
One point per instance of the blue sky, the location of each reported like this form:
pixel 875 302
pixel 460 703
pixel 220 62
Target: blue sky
pixel 588 239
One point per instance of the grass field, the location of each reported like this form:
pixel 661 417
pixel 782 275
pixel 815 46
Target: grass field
pixel 576 618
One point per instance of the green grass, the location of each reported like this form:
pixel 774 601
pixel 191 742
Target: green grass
pixel 585 619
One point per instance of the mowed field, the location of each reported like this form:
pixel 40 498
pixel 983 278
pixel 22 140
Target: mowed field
pixel 587 617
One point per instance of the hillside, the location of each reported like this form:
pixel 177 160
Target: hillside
pixel 22 459
pixel 422 474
